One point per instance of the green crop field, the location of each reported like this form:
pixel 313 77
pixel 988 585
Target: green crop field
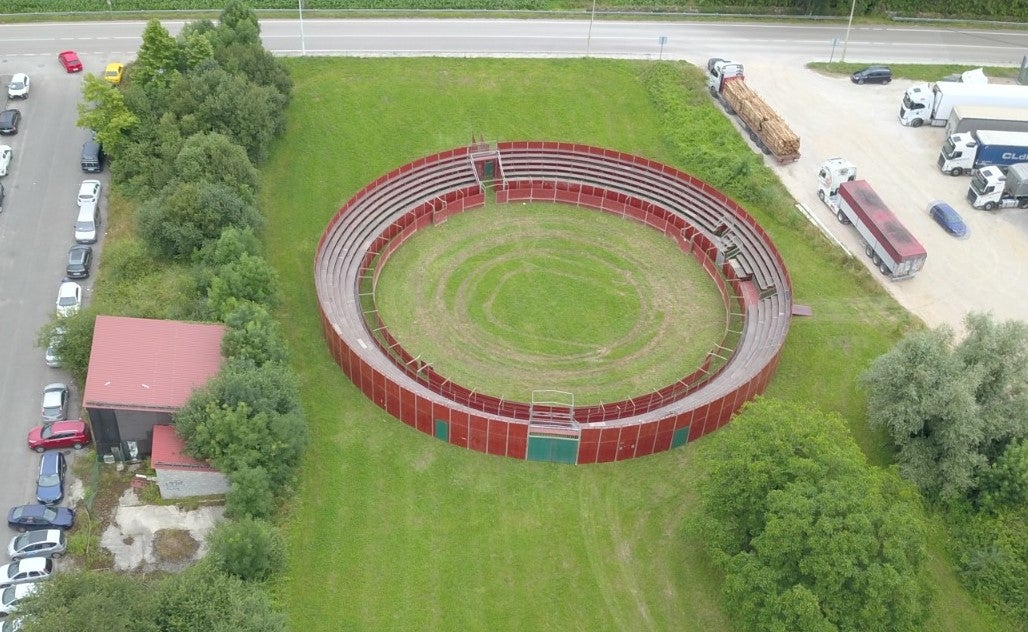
pixel 393 530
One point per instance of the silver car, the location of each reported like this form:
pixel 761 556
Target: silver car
pixel 55 402
pixel 30 569
pixel 40 543
pixel 10 596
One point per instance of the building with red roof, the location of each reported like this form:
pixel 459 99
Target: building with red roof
pixel 141 371
pixel 178 474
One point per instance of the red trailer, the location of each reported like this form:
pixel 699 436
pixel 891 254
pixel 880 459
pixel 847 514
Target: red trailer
pixel 896 252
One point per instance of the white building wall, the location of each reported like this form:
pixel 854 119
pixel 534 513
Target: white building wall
pixel 175 483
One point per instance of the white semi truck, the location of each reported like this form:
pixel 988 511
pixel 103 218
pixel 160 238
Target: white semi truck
pixel 973 118
pixel 999 187
pixel 895 252
pixel 962 153
pixel 933 103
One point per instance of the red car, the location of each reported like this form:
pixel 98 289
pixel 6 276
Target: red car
pixel 70 61
pixel 59 434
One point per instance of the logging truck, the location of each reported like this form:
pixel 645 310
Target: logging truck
pixel 765 128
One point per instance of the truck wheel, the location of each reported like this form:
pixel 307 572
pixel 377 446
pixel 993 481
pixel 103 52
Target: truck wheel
pixel 876 259
pixel 989 206
pixel 867 250
pixel 916 123
pixel 842 218
pixel 956 171
pixel 729 109
pixel 764 148
pixel 821 195
pixel 753 137
pixel 884 269
pixel 713 92
pixel 1023 203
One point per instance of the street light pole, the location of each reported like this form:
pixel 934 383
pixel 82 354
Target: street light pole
pixel 303 44
pixel 849 25
pixel 589 37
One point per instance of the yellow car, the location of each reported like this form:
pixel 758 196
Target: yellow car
pixel 114 72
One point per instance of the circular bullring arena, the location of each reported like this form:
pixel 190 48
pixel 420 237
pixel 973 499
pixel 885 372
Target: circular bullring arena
pixel 735 252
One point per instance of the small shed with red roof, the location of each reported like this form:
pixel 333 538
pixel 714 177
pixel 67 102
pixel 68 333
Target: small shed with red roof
pixel 178 474
pixel 141 371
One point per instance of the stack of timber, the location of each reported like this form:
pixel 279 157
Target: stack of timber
pixel 765 127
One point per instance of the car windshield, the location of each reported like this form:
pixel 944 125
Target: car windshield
pixel 17 85
pixel 7 596
pixel 83 226
pixel 67 299
pixel 50 514
pixel 49 480
pixel 47 432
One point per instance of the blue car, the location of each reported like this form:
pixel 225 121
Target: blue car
pixel 29 517
pixel 950 220
pixel 50 484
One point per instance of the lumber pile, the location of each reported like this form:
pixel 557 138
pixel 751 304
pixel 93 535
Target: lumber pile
pixel 761 119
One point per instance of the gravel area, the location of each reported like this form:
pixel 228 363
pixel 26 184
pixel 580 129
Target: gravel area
pixel 836 118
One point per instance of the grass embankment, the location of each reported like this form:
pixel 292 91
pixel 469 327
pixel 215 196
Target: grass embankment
pixel 392 529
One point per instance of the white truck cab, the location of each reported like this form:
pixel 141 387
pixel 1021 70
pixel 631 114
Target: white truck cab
pixel 834 172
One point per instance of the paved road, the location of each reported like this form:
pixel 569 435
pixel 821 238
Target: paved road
pixel 536 38
pixel 36 225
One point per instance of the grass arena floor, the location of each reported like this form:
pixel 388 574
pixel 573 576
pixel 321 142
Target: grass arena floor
pixel 512 298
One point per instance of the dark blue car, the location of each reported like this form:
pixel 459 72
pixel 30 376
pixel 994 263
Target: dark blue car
pixel 50 484
pixel 28 517
pixel 947 217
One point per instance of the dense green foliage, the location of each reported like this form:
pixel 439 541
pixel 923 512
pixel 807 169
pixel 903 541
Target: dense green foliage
pixel 810 536
pixel 248 548
pixel 952 409
pixel 959 8
pixel 200 598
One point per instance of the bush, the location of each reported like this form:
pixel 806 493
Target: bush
pixel 251 496
pixel 249 549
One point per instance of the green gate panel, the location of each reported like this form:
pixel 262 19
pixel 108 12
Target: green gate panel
pixel 553 449
pixel 442 430
pixel 681 437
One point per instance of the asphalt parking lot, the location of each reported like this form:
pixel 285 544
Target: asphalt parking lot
pixel 836 118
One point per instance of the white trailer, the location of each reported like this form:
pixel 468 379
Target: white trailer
pixel 966 119
pixel 933 103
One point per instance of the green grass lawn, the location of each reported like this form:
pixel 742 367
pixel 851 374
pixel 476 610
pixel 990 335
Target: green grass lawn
pixel 393 530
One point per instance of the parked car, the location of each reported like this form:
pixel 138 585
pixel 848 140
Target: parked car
pixel 10 596
pixel 947 217
pixel 89 191
pixel 59 434
pixel 28 517
pixel 69 298
pixel 40 543
pixel 114 72
pixel 70 61
pixel 19 86
pixel 50 357
pixel 10 625
pixel 872 74
pixel 6 153
pixel 80 258
pixel 9 120
pixel 55 402
pixel 50 484
pixel 30 569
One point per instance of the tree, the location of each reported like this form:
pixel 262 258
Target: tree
pixel 251 494
pixel 238 24
pixel 75 343
pixel 258 65
pixel 147 163
pixel 249 278
pixel 213 158
pixel 103 110
pixel 1005 482
pixel 82 601
pixel 197 49
pixel 231 245
pixel 951 409
pixel 253 336
pixel 210 99
pixel 159 58
pixel 810 536
pixel 249 548
pixel 202 598
pixel 185 216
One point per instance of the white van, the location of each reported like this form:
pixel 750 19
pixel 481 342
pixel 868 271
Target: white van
pixel 87 224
